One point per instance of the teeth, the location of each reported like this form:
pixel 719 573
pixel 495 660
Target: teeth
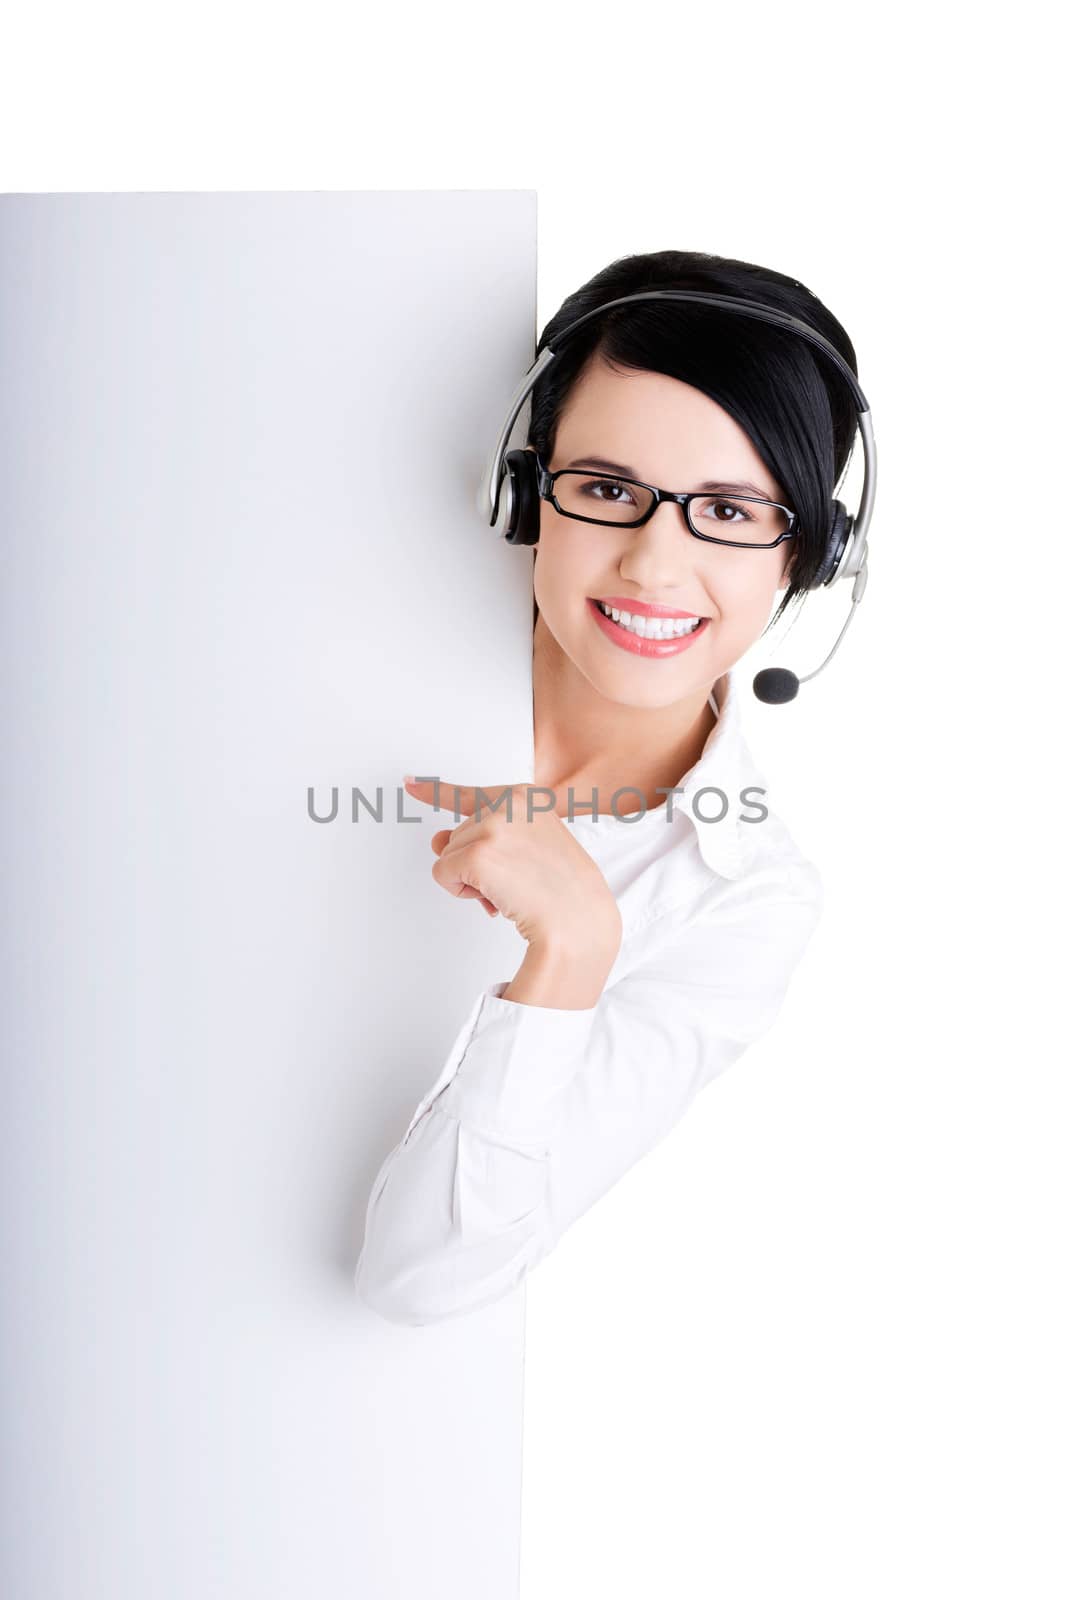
pixel 651 627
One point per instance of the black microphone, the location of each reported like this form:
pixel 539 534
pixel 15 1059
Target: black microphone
pixel 776 685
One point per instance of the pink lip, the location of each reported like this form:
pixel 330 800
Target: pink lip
pixel 642 608
pixel 645 647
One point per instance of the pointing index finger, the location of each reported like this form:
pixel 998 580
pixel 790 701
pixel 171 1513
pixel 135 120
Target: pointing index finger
pixel 428 790
pixel 461 799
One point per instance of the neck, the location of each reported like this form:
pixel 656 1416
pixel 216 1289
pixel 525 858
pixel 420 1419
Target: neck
pixel 583 741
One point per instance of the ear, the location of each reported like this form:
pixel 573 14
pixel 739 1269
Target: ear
pixel 784 581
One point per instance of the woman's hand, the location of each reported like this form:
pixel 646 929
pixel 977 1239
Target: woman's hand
pixel 534 872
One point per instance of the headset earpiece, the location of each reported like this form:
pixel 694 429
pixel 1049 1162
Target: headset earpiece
pixel 520 504
pixel 838 538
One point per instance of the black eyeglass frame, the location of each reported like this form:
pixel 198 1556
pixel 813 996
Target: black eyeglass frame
pixel 547 479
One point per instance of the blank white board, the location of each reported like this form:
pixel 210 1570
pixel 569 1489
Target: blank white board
pixel 240 436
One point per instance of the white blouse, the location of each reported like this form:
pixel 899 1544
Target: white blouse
pixel 538 1111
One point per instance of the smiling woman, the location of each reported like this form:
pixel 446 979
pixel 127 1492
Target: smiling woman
pixel 660 941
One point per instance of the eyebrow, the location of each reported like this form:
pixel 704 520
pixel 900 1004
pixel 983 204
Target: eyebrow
pixel 717 485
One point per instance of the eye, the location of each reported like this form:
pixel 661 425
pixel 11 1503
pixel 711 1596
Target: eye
pixel 616 489
pixel 732 513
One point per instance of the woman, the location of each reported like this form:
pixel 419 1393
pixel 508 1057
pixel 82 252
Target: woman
pixel 663 903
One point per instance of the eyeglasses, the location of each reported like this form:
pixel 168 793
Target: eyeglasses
pixel 755 524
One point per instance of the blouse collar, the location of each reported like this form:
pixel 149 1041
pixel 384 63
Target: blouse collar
pixel 722 765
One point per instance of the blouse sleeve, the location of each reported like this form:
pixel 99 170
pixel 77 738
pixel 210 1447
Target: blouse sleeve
pixel 537 1112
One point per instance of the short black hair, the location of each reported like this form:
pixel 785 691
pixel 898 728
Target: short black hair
pixel 795 406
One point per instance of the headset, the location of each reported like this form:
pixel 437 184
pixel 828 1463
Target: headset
pixel 509 485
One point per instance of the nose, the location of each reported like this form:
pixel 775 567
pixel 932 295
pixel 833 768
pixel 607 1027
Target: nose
pixel 659 556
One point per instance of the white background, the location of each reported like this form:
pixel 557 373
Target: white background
pixel 811 1346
